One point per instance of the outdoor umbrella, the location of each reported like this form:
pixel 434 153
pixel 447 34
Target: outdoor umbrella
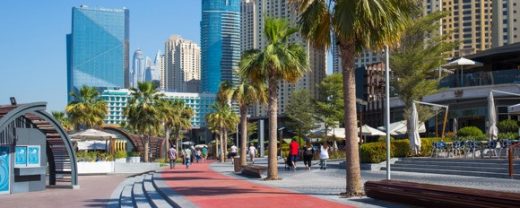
pixel 92 139
pixel 93 134
pixel 415 138
pixel 367 130
pixel 399 128
pixel 455 125
pixel 460 64
pixel 493 130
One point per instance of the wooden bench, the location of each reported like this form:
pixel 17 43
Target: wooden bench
pixel 253 170
pixel 429 195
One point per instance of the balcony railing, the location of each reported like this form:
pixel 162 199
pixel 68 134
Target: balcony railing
pixel 481 78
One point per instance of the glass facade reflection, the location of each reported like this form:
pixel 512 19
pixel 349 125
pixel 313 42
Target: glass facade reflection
pixel 97 48
pixel 220 43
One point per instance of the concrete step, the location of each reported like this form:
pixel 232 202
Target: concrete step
pixel 453 172
pixel 458 160
pixel 140 200
pixel 174 199
pixel 481 168
pixel 156 199
pixel 125 200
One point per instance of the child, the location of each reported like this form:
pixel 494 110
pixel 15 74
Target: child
pixel 324 156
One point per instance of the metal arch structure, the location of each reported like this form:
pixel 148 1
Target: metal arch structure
pixel 38 108
pixel 134 140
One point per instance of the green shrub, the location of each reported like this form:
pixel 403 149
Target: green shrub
pixel 134 154
pixel 471 133
pixel 509 135
pixel 508 126
pixel 374 152
pixel 400 148
pixel 337 155
pixel 383 138
pixel 120 154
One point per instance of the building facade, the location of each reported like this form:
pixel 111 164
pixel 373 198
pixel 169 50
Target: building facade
pixel 316 57
pixel 467 22
pixel 97 49
pixel 137 74
pixel 220 43
pixel 117 100
pixel 506 22
pixel 248 25
pixel 182 65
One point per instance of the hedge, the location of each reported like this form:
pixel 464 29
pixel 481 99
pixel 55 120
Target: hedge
pixel 375 152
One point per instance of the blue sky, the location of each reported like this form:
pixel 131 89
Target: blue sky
pixel 32 41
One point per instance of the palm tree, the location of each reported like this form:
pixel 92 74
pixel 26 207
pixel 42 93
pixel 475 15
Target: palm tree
pixel 221 121
pixel 63 120
pixel 87 110
pixel 143 112
pixel 245 94
pixel 279 60
pixel 176 116
pixel 355 24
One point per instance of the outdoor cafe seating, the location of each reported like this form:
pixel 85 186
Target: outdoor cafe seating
pixel 466 148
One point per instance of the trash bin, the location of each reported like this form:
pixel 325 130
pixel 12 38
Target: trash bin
pixel 236 162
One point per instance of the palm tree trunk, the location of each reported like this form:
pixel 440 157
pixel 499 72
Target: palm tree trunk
pixel 354 184
pixel 146 148
pixel 243 134
pixel 177 146
pixel 221 137
pixel 272 164
pixel 217 153
pixel 225 144
pixel 166 143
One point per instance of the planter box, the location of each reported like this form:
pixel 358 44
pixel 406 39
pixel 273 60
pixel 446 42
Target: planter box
pixel 101 167
pixel 120 160
pixel 134 159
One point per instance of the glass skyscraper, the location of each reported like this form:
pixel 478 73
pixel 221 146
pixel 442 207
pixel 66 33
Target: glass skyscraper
pixel 97 49
pixel 220 43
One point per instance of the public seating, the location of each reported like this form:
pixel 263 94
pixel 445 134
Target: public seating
pixel 428 195
pixel 253 170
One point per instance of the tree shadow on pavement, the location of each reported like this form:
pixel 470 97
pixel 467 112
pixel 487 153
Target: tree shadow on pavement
pixel 223 190
pixel 100 202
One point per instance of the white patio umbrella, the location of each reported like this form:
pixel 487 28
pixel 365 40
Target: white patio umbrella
pixel 400 128
pixel 92 139
pixel 460 64
pixel 492 119
pixel 455 125
pixel 415 138
pixel 92 134
pixel 367 130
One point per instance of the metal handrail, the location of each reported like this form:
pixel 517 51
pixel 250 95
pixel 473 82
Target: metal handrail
pixel 510 158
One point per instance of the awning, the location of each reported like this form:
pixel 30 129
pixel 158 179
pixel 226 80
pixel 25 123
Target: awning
pixel 514 108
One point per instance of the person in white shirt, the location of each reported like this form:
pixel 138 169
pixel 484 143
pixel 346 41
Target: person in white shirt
pixel 324 156
pixel 172 154
pixel 252 153
pixel 233 152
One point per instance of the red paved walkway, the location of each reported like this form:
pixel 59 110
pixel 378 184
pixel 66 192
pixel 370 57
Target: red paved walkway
pixel 207 188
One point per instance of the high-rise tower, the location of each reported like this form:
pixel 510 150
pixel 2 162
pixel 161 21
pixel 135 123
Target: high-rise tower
pixel 220 43
pixel 316 57
pixel 97 48
pixel 506 22
pixel 137 74
pixel 182 65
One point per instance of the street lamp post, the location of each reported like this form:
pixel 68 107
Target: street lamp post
pixel 387 110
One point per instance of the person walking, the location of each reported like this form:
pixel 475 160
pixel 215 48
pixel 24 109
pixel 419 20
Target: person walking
pixel 252 153
pixel 233 153
pixel 294 149
pixel 198 154
pixel 172 155
pixel 324 156
pixel 187 157
pixel 204 153
pixel 308 153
